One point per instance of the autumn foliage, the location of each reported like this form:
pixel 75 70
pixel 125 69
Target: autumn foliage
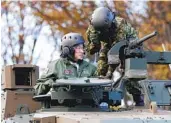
pixel 64 17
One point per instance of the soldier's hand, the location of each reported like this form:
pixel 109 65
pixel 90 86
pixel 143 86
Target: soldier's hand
pixel 105 77
pixel 101 77
pixel 92 48
pixel 120 69
pixel 94 38
pixel 109 75
pixel 49 82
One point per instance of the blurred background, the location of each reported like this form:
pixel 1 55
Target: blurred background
pixel 31 31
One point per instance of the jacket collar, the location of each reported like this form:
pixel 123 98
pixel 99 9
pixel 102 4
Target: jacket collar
pixel 81 63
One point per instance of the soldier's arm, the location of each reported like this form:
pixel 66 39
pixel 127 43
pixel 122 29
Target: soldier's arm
pixel 49 75
pixel 93 45
pixel 94 73
pixel 44 83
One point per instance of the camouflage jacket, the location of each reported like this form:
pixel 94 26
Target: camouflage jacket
pixel 104 40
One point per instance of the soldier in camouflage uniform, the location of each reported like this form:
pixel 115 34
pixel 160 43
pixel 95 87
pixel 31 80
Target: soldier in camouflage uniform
pixel 104 31
pixel 70 64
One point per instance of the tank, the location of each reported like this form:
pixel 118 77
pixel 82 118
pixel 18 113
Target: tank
pixel 74 100
pixel 87 100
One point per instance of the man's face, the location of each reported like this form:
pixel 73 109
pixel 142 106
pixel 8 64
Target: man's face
pixel 79 52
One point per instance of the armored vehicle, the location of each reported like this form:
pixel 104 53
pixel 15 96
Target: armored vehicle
pixel 86 100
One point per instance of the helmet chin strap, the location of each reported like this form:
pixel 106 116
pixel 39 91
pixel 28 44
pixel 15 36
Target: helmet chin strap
pixel 68 56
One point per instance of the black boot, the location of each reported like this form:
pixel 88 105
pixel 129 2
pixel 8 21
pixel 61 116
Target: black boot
pixel 139 100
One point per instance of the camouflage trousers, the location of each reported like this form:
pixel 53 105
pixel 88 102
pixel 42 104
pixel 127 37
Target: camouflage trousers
pixel 131 86
pixel 103 68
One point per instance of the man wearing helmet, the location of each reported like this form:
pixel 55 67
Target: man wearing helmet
pixel 70 64
pixel 105 30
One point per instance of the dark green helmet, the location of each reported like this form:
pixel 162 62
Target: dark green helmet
pixel 102 18
pixel 69 41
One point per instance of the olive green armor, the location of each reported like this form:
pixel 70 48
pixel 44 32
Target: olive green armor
pixel 63 68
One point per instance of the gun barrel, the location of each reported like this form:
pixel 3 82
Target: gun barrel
pixel 138 42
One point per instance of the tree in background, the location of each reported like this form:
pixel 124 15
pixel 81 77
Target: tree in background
pixel 158 17
pixel 18 39
pixel 65 16
pixel 23 23
pixel 26 24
